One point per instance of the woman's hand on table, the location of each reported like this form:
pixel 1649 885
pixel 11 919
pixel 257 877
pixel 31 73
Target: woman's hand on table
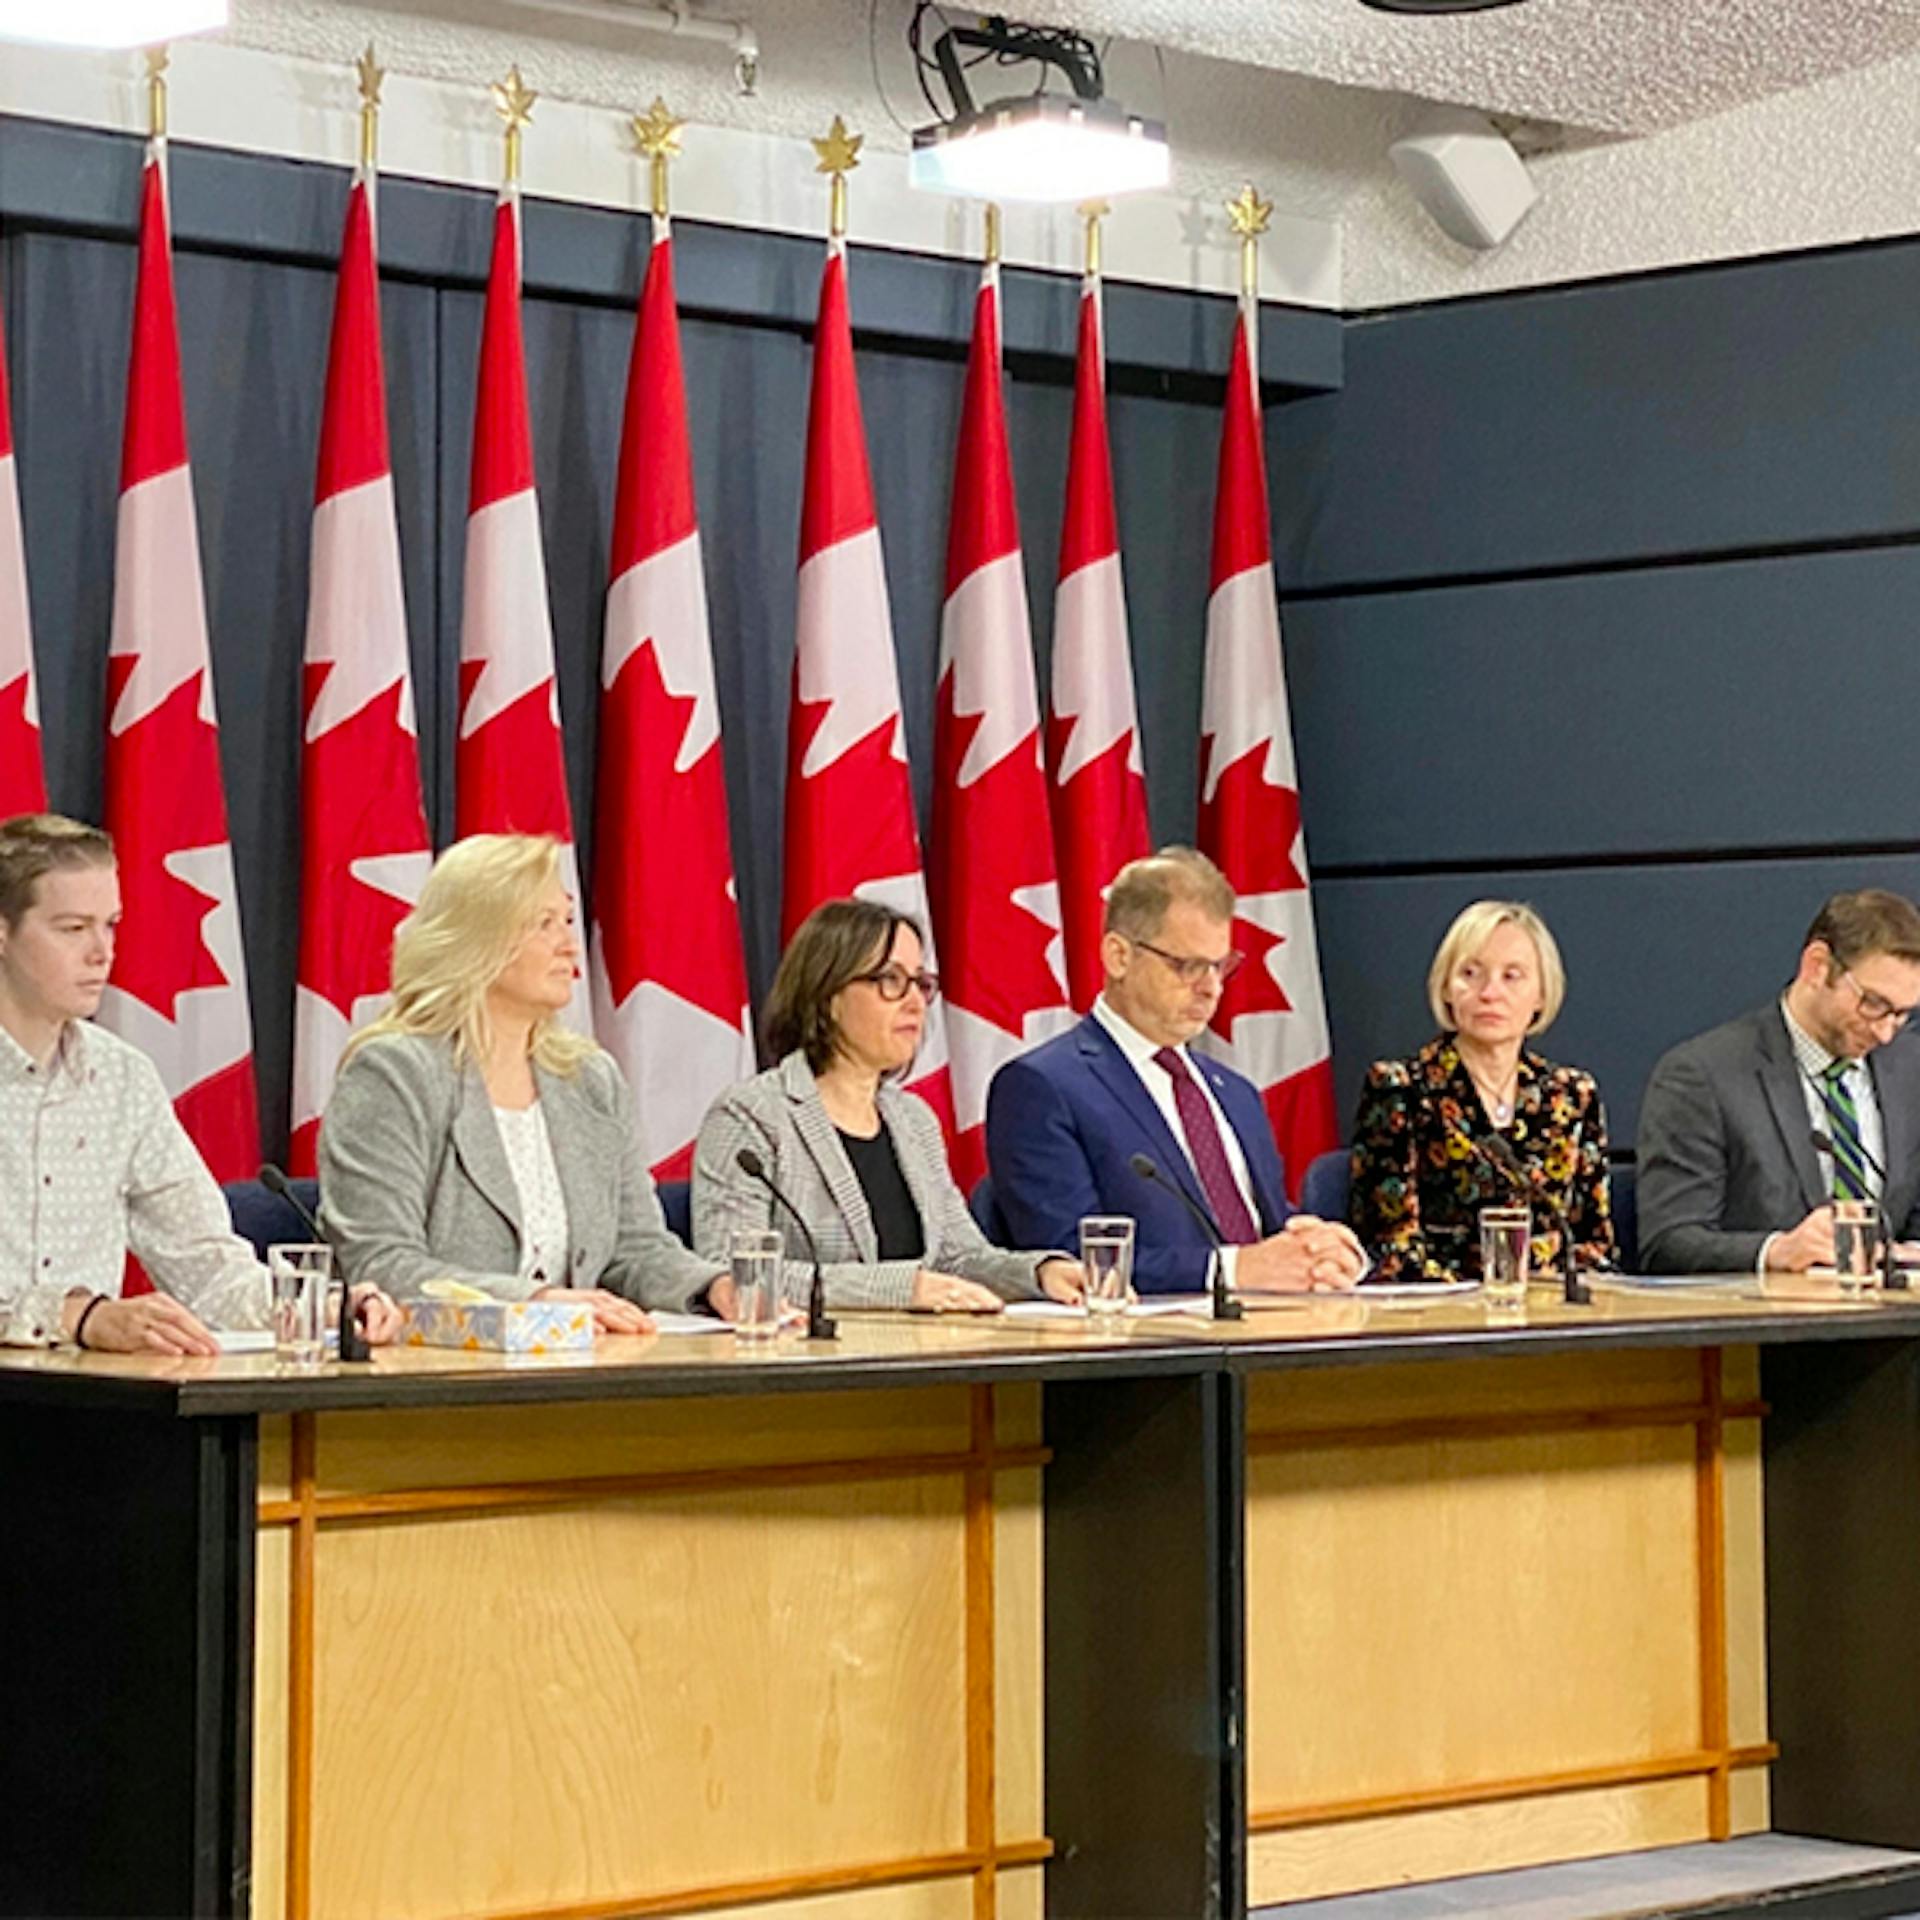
pixel 948 1293
pixel 380 1318
pixel 612 1313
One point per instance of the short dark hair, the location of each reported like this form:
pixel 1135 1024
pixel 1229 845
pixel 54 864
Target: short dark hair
pixel 831 948
pixel 33 845
pixel 1853 926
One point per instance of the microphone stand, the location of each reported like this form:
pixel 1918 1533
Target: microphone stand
pixel 1497 1151
pixel 1225 1306
pixel 353 1343
pixel 819 1327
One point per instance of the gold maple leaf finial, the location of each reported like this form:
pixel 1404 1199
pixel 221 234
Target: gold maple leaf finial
pixel 513 101
pixel 839 154
pixel 1248 213
pixel 839 151
pixel 657 135
pixel 371 74
pixel 657 132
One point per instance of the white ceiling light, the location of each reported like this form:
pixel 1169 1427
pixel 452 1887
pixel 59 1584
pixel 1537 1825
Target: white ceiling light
pixel 108 23
pixel 1035 146
pixel 1045 148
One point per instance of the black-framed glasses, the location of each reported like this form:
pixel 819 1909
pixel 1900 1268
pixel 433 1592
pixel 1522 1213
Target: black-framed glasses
pixel 892 982
pixel 1190 970
pixel 1875 1008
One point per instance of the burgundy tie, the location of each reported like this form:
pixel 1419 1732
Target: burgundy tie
pixel 1209 1152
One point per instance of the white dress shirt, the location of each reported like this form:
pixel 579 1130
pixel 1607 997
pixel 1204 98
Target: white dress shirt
pixel 1139 1052
pixel 93 1163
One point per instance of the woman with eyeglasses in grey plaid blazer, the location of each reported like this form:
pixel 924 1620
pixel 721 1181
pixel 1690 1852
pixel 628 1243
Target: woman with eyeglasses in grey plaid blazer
pixel 861 1160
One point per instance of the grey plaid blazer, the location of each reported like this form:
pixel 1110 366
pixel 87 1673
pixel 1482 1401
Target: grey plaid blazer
pixel 416 1184
pixel 779 1114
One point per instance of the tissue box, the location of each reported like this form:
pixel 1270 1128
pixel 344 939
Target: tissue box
pixel 501 1326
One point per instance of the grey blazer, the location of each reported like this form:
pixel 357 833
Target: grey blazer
pixel 1726 1147
pixel 779 1114
pixel 415 1182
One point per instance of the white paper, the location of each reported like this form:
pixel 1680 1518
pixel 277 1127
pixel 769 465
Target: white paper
pixel 686 1322
pixel 1138 1310
pixel 249 1340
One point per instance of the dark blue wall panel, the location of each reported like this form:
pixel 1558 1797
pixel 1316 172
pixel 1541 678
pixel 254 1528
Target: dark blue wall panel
pixel 1742 405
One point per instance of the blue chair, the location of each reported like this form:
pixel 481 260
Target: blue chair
pixel 1626 1219
pixel 676 1202
pixel 986 1212
pixel 265 1219
pixel 1324 1191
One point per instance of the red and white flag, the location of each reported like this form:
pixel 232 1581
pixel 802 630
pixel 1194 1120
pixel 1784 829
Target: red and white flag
pixel 364 845
pixel 1093 744
pixel 1271 1022
pixel 996 896
pixel 510 770
pixel 23 783
pixel 179 988
pixel 669 973
pixel 850 825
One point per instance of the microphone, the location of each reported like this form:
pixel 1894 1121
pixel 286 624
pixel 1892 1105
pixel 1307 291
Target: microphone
pixel 1225 1306
pixel 1497 1150
pixel 353 1343
pixel 1892 1279
pixel 819 1327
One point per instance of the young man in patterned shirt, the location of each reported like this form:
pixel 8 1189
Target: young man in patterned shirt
pixel 93 1161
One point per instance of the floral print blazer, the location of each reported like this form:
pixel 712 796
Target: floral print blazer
pixel 1418 1184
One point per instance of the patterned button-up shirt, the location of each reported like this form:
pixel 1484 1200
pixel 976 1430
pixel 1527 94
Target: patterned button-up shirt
pixel 94 1163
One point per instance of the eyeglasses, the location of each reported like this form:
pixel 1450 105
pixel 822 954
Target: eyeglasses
pixel 1190 970
pixel 892 983
pixel 1875 1008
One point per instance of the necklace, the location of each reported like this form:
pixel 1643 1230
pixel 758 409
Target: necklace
pixel 1499 1108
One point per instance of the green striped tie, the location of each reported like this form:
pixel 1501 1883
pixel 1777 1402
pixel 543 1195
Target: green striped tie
pixel 1849 1159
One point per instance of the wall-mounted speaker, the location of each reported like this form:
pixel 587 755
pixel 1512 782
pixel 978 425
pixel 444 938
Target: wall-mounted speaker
pixel 1464 171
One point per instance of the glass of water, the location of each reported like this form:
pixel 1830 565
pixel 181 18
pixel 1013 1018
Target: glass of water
pixel 756 1255
pixel 1856 1245
pixel 299 1274
pixel 1106 1251
pixel 1506 1235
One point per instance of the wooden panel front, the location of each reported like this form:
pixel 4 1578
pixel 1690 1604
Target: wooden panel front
pixel 1500 1612
pixel 565 1698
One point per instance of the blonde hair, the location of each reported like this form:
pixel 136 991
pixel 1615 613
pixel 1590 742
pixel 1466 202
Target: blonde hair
pixel 479 903
pixel 1472 928
pixel 1144 889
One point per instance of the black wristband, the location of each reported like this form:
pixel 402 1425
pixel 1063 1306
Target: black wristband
pixel 86 1314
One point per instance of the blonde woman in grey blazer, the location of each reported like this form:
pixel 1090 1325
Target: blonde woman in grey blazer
pixel 861 1161
pixel 470 1137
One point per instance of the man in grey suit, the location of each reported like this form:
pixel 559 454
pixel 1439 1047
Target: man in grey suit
pixel 1731 1176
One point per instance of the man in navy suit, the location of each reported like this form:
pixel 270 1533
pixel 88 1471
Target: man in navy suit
pixel 1065 1120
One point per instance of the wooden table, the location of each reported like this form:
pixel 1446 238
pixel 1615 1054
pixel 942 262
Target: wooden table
pixel 954 1620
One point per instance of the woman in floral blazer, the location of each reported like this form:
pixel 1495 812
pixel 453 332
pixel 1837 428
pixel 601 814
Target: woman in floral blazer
pixel 1420 1176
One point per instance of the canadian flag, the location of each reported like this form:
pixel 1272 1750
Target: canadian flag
pixel 850 825
pixel 1099 789
pixel 996 896
pixel 364 845
pixel 669 987
pixel 510 770
pixel 23 784
pixel 1271 1022
pixel 179 988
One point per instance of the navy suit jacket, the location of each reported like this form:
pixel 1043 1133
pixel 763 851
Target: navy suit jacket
pixel 1064 1120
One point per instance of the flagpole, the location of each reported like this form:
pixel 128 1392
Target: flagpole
pixel 992 248
pixel 1093 212
pixel 371 74
pixel 1249 215
pixel 513 101
pixel 656 135
pixel 839 154
pixel 157 61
